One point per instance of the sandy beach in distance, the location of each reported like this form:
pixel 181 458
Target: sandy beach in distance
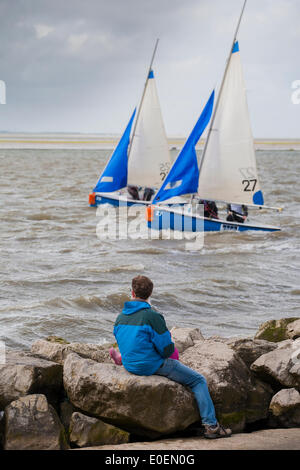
pixel 100 141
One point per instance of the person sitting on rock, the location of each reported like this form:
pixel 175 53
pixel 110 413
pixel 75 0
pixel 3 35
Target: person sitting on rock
pixel 117 358
pixel 146 348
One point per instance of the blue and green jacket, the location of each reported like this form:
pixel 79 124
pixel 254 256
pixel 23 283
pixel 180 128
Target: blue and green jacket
pixel 143 338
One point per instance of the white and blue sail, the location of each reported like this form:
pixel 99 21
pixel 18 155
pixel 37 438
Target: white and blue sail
pixel 184 174
pixel 114 175
pixel 142 160
pixel 228 169
pixel 149 157
pixel 145 159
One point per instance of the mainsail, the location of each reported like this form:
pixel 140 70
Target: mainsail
pixel 146 159
pixel 228 169
pixel 149 157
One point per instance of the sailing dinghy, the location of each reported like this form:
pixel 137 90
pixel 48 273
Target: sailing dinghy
pixel 142 161
pixel 227 171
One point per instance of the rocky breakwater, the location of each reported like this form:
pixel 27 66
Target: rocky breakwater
pixel 62 395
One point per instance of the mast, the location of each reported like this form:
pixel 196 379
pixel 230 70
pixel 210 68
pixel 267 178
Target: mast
pixel 143 95
pixel 222 86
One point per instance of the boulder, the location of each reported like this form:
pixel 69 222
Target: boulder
pixel 56 339
pixel 237 398
pixel 96 352
pixel 66 409
pixel 57 351
pixel 149 406
pixel 24 374
pixel 285 408
pixel 185 337
pixel 281 367
pixel 50 350
pixel 258 400
pixel 248 349
pixel 32 424
pixel 87 431
pixel 275 330
pixel 293 329
pixel 2 427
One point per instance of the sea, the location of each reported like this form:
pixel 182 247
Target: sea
pixel 58 277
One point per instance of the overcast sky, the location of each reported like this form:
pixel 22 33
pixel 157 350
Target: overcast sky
pixel 80 65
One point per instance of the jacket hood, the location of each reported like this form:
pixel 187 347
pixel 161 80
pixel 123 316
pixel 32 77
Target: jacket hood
pixel 134 306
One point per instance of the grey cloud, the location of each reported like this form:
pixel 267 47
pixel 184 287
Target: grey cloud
pixel 80 65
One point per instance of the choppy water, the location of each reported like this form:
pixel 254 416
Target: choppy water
pixel 57 277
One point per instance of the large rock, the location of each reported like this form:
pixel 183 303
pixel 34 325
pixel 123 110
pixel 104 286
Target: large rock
pixel 293 329
pixel 149 406
pixel 275 330
pixel 281 367
pixel 87 431
pixel 185 337
pixel 237 398
pixel 32 424
pixel 96 352
pixel 248 349
pixel 57 351
pixel 23 374
pixel 50 350
pixel 285 408
pixel 66 409
pixel 2 427
pixel 57 339
pixel 258 400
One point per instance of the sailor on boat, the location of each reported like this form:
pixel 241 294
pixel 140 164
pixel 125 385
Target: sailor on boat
pixel 237 213
pixel 210 209
pixel 139 193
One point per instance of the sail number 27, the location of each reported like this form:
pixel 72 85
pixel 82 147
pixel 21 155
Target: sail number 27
pixel 249 185
pixel 249 181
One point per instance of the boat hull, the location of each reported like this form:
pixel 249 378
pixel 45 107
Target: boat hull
pixel 162 219
pixel 116 199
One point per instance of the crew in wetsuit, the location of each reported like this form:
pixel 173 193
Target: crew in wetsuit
pixel 134 192
pixel 210 209
pixel 148 193
pixel 237 213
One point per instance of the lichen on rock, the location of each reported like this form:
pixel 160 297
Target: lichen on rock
pixel 87 431
pixel 275 330
pixel 31 423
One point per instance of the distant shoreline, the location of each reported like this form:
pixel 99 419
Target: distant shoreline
pixel 100 141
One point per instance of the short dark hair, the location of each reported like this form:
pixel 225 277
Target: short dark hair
pixel 142 286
